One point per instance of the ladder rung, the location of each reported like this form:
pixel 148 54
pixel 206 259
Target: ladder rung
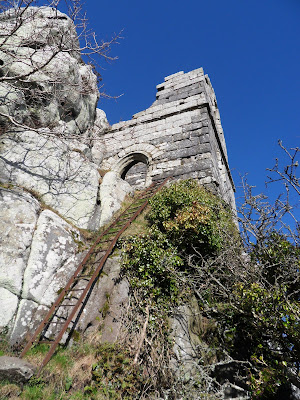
pixel 57 322
pixel 82 277
pixel 68 305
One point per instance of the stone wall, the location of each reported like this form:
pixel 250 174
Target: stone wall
pixel 180 135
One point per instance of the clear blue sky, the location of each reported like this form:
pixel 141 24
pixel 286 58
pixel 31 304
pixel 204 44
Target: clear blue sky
pixel 249 49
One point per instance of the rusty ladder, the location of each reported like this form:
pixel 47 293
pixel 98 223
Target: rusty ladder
pixel 109 238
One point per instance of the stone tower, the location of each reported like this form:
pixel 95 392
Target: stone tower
pixel 180 135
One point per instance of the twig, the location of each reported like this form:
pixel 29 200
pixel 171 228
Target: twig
pixel 143 335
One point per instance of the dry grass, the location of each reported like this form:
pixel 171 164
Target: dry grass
pixel 138 226
pixel 10 391
pixel 81 371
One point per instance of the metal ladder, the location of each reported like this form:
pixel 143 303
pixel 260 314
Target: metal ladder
pixel 97 254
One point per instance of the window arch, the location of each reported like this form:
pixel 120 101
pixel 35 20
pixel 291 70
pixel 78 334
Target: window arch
pixel 134 168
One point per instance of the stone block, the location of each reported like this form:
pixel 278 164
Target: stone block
pixel 146 117
pixel 170 110
pixel 167 78
pixel 204 130
pixel 168 164
pixel 119 125
pixel 184 82
pixel 192 127
pixel 193 92
pixel 185 170
pixel 182 144
pixel 185 86
pixel 190 103
pixel 175 97
pixel 164 95
pixel 184 120
pixel 197 118
pixel 180 136
pixel 196 73
pixel 204 139
pixel 154 108
pixel 15 370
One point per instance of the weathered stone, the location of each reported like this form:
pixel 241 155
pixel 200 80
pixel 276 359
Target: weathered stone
pixel 58 90
pixel 23 321
pixel 9 304
pixel 101 125
pixel 112 193
pixel 110 296
pixel 189 115
pixel 113 321
pixel 15 370
pixel 18 215
pixel 58 173
pixel 52 258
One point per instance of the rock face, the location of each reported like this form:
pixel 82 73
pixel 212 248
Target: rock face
pixel 59 90
pixel 19 214
pixel 39 252
pixel 49 157
pixel 112 192
pixel 48 116
pixel 58 171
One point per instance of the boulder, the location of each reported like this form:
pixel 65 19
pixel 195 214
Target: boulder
pixel 18 214
pixel 15 369
pixel 112 193
pixel 101 125
pixel 9 304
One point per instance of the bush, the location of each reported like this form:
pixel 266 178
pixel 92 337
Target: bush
pixel 191 217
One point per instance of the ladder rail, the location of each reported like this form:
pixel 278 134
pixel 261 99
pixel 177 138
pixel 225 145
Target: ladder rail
pixel 74 276
pixel 80 302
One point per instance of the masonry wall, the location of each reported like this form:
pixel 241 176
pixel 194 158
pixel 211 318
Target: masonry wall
pixel 180 135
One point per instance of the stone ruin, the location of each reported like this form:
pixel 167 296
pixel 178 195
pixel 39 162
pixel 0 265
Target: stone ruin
pixel 179 136
pixel 62 167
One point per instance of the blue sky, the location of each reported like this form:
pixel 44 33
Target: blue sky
pixel 249 49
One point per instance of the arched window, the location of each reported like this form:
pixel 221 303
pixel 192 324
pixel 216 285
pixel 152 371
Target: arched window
pixel 134 169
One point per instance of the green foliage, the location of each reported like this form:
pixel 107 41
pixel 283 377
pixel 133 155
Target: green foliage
pixel 40 348
pixel 192 245
pixel 279 260
pixel 34 390
pixel 150 261
pixel 191 217
pixel 62 359
pixel 183 217
pixel 68 383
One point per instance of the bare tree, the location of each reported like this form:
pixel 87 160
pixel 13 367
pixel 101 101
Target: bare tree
pixel 43 79
pixel 288 173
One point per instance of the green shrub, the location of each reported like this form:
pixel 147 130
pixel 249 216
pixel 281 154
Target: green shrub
pixel 191 217
pixel 150 261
